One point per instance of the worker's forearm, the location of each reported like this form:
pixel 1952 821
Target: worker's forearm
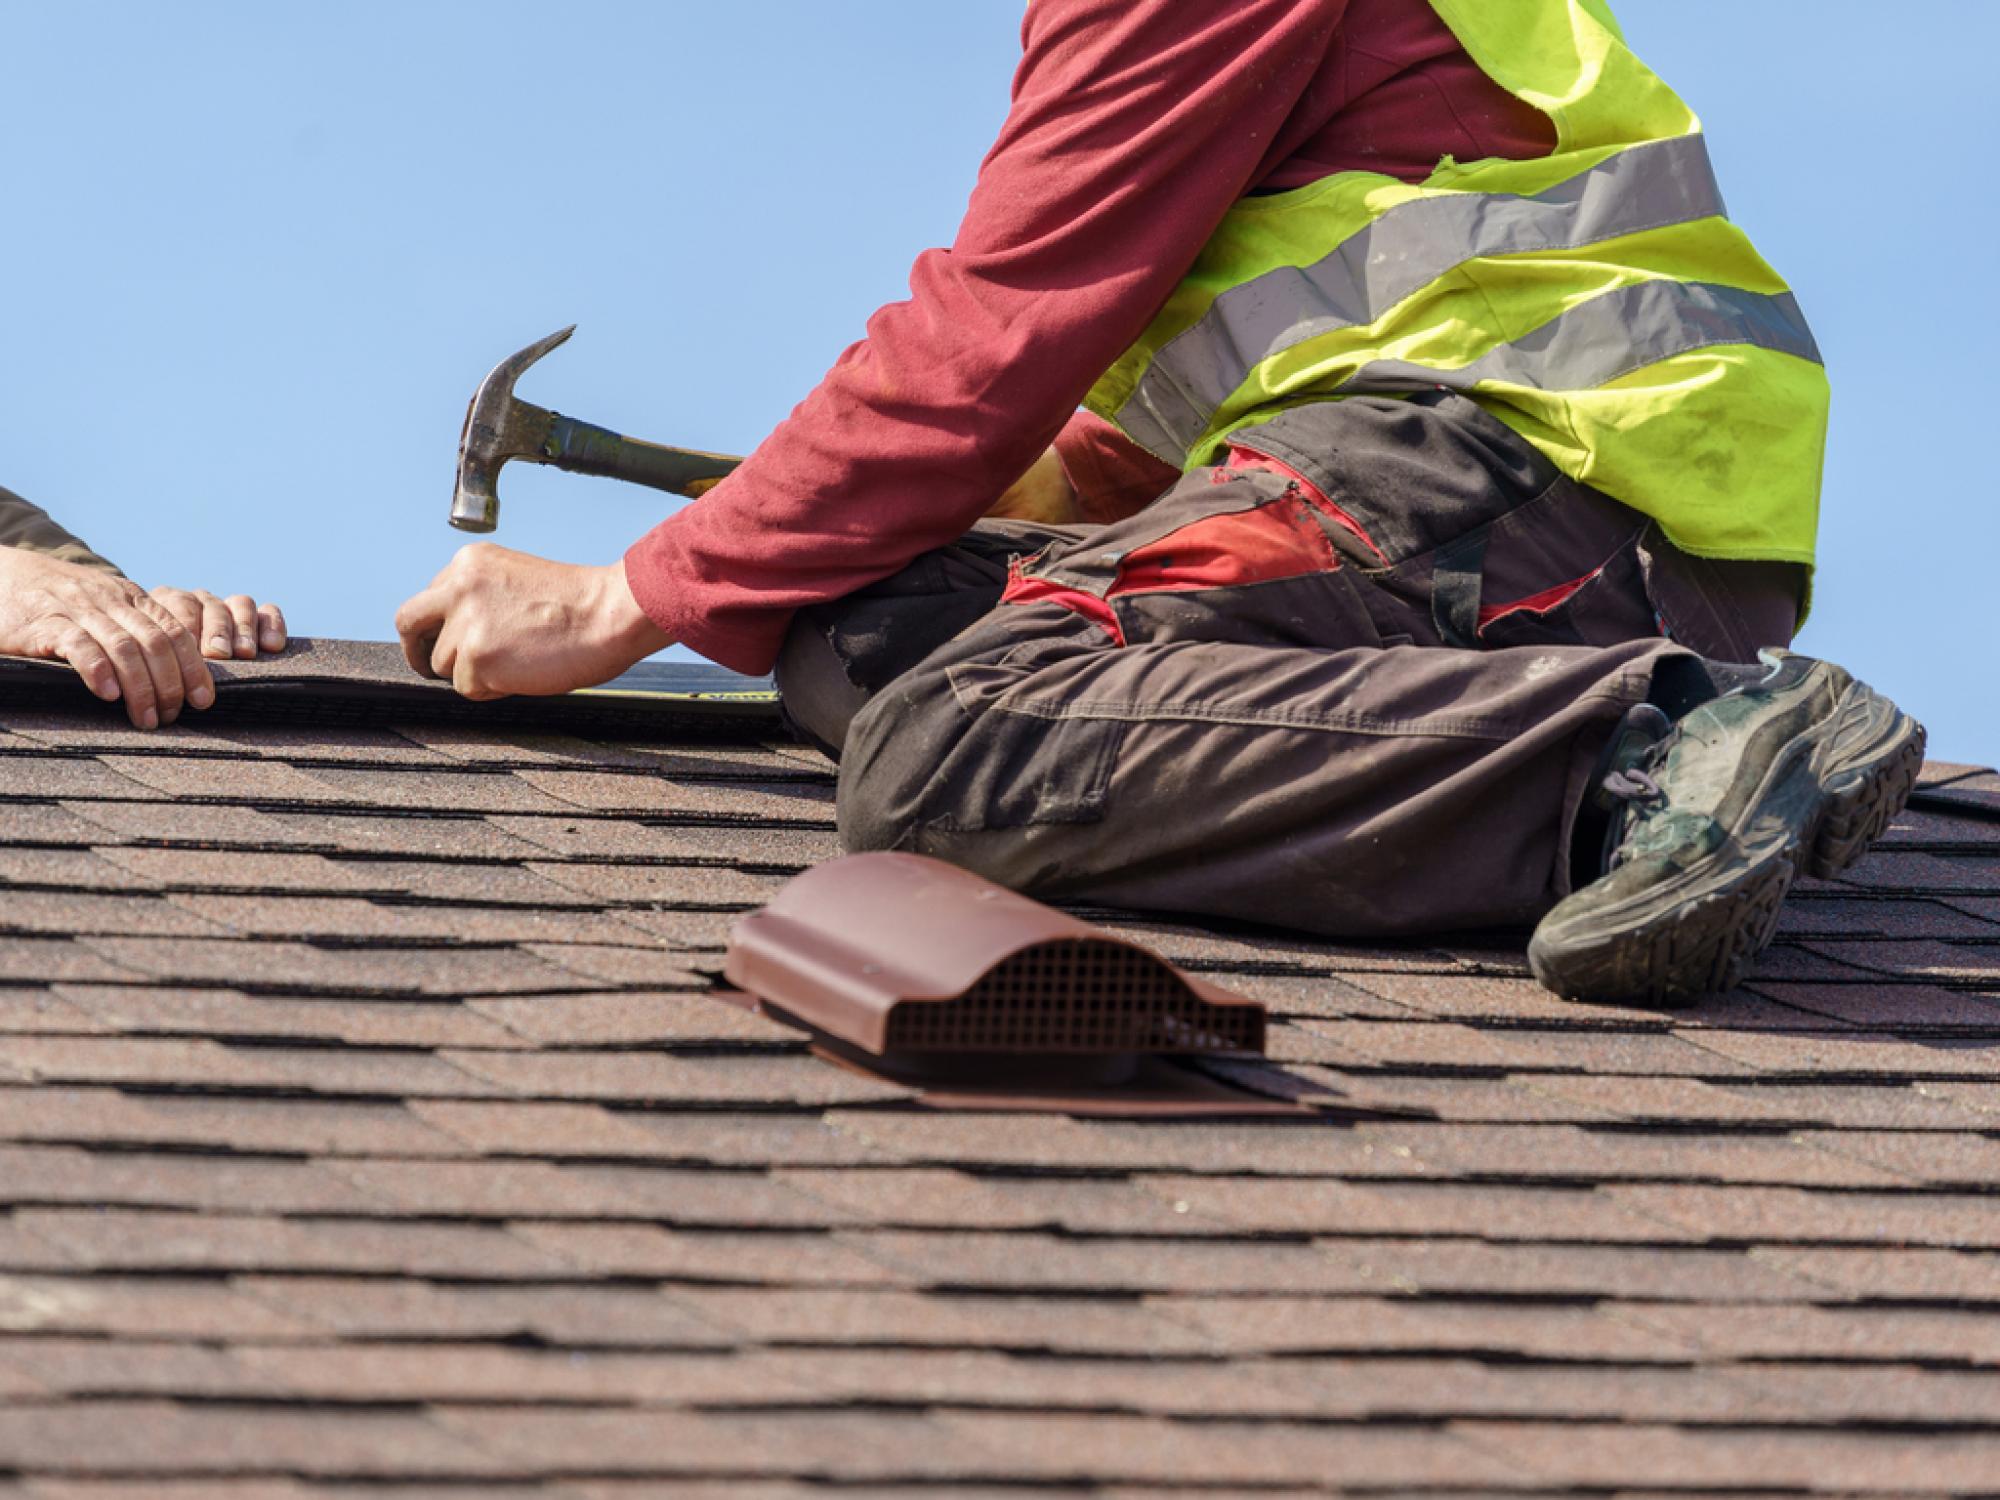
pixel 29 528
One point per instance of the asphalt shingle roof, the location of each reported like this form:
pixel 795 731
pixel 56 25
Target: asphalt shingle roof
pixel 365 1128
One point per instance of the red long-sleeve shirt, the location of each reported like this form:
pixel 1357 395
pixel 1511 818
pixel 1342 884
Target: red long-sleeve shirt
pixel 1135 124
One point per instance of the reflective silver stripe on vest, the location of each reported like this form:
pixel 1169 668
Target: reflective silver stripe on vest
pixel 1643 187
pixel 1597 341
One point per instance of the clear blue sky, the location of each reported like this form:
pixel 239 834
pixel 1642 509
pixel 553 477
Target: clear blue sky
pixel 260 254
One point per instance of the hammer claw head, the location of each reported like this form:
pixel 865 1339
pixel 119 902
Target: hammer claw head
pixel 497 428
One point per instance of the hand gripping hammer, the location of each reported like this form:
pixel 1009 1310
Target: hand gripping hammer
pixel 499 426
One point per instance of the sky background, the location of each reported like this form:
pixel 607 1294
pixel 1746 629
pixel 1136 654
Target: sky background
pixel 260 255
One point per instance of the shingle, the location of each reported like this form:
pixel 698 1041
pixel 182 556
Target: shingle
pixel 1280 1205
pixel 50 776
pixel 1923 874
pixel 1474 1267
pixel 1142 1449
pixel 1890 1273
pixel 683 929
pixel 327 742
pixel 1305 1146
pixel 1927 958
pixel 70 869
pixel 1941 1159
pixel 139 1060
pixel 575 836
pixel 379 1072
pixel 1847 1055
pixel 1866 917
pixel 848 1317
pixel 383 921
pixel 523 1128
pixel 1924 1105
pixel 317 1127
pixel 127 1367
pixel 130 1437
pixel 1468 997
pixel 1539 1152
pixel 937 1198
pixel 1574 1454
pixel 618 964
pixel 771 1258
pixel 807 802
pixel 862 1445
pixel 21 1249
pixel 429 835
pixel 40 1012
pixel 229 1013
pixel 1794 1215
pixel 172 1240
pixel 479 884
pixel 170 822
pixel 677 885
pixel 253 871
pixel 659 1077
pixel 109 1238
pixel 542 1190
pixel 631 1019
pixel 144 1307
pixel 591 1316
pixel 67 1174
pixel 234 779
pixel 80 913
pixel 301 966
pixel 439 789
pixel 989 1261
pixel 46 823
pixel 1443 1044
pixel 1290 1325
pixel 93 729
pixel 1898 1007
pixel 446 1372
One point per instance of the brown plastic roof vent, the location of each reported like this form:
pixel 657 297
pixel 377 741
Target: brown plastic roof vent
pixel 897 955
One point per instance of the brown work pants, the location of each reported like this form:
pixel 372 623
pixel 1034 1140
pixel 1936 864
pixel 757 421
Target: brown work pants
pixel 1367 712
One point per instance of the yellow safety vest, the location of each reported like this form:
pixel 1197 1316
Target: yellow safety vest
pixel 1597 301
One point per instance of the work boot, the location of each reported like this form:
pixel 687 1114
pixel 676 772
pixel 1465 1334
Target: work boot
pixel 1799 769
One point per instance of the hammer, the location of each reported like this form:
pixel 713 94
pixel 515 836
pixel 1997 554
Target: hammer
pixel 498 426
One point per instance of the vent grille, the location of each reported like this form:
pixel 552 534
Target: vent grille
pixel 1076 997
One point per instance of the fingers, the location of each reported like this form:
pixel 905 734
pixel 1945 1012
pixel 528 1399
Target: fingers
pixel 241 612
pixel 209 620
pixel 194 684
pixel 80 649
pixel 183 605
pixel 418 623
pixel 271 633
pixel 132 674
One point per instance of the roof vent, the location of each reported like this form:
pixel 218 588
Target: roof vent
pixel 906 958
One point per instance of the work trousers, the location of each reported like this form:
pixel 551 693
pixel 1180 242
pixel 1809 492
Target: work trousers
pixel 1369 703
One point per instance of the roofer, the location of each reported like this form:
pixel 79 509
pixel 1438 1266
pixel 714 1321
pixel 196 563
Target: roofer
pixel 1452 457
pixel 60 599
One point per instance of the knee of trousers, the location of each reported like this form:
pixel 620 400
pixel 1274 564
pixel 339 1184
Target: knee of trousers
pixel 890 761
pixel 818 698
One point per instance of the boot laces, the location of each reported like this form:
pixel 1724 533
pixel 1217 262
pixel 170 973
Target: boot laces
pixel 1636 793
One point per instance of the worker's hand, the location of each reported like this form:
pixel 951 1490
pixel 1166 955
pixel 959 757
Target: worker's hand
pixel 1042 494
pixel 497 622
pixel 234 627
pixel 122 642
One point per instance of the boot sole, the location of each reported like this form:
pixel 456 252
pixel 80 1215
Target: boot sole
pixel 1699 934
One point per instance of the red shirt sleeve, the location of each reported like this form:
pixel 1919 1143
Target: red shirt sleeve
pixel 1111 476
pixel 1135 124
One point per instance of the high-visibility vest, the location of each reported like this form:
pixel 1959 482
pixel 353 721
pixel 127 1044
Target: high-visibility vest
pixel 1596 300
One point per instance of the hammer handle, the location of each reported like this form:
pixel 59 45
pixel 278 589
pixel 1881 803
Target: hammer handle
pixel 583 448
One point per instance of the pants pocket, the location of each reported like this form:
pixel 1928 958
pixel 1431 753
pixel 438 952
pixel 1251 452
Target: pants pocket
pixel 1605 607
